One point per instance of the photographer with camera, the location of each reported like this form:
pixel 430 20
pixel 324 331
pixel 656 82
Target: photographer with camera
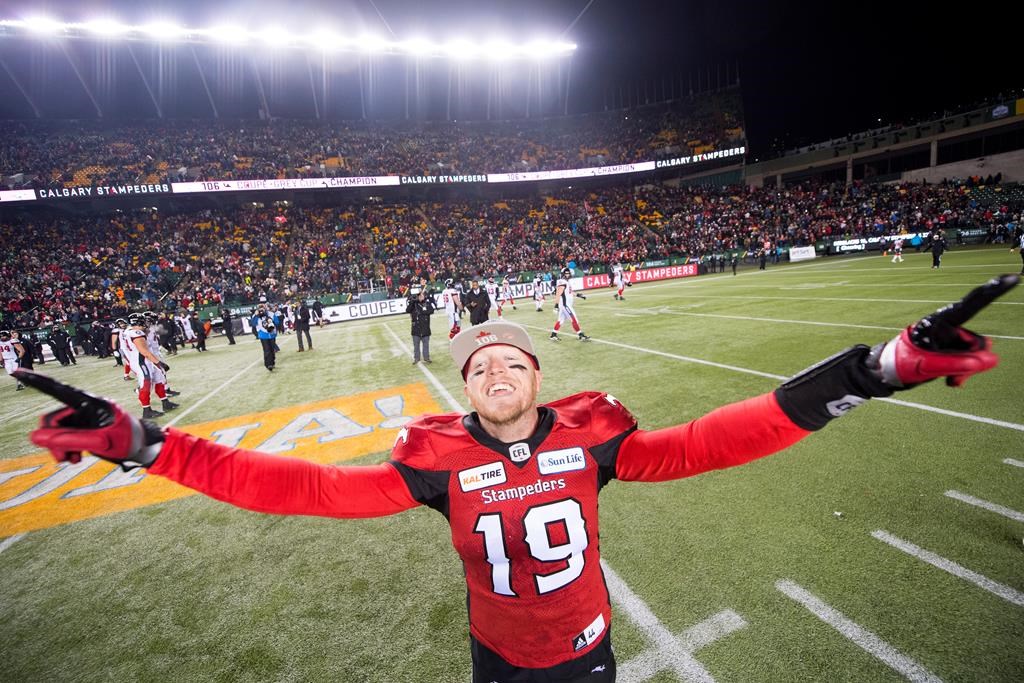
pixel 419 307
pixel 265 325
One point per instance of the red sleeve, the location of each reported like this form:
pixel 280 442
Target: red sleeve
pixel 729 436
pixel 282 485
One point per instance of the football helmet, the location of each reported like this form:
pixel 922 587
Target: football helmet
pixel 5 335
pixel 121 322
pixel 567 272
pixel 449 283
pixel 137 320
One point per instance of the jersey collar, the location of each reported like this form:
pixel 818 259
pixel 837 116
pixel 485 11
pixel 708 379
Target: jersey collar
pixel 544 425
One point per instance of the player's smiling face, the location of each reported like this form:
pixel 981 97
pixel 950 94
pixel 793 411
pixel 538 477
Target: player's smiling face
pixel 502 384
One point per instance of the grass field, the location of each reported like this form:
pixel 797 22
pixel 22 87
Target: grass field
pixel 864 553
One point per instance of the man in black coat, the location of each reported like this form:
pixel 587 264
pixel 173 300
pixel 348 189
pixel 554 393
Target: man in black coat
pixel 318 310
pixel 478 303
pixel 420 307
pixel 60 342
pixel 302 325
pixel 938 248
pixel 200 329
pixel 225 314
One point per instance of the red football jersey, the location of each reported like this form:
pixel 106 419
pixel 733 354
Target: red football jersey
pixel 524 521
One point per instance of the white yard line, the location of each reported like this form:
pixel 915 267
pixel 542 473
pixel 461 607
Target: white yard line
pixel 9 541
pixel 1011 461
pixel 670 311
pixel 678 659
pixel 689 294
pixel 994 587
pixel 213 393
pixel 769 375
pixel 986 505
pixel 858 635
pixel 431 377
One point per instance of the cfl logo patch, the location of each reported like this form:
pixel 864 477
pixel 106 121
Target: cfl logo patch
pixel 842 406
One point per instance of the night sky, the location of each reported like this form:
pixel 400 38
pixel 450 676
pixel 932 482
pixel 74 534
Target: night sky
pixel 809 71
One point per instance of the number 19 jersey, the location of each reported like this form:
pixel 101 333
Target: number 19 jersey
pixel 524 521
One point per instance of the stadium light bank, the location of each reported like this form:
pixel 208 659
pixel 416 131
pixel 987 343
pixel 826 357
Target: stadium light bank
pixel 322 39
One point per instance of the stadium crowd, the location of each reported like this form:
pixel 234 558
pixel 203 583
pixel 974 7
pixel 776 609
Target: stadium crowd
pixel 98 267
pixel 79 153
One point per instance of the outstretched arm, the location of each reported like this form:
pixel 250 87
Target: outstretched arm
pixel 249 479
pixel 282 485
pixel 935 346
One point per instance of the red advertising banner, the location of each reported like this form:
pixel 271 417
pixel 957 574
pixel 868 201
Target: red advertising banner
pixel 642 275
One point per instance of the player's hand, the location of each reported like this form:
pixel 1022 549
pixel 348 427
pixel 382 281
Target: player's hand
pixel 164 366
pixel 92 424
pixel 938 345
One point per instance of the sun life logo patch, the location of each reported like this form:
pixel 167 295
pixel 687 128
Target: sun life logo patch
pixel 562 460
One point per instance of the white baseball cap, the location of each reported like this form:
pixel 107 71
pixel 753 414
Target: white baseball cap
pixel 471 340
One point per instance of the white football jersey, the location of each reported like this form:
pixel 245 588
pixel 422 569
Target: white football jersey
pixel 7 350
pixel 492 291
pixel 134 356
pixel 566 300
pixel 449 296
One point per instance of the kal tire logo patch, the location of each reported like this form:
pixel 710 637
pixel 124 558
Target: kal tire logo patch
pixel 482 477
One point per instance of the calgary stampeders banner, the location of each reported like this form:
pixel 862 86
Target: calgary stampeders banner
pixel 641 275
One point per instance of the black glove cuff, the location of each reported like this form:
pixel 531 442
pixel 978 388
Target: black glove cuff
pixel 152 442
pixel 831 388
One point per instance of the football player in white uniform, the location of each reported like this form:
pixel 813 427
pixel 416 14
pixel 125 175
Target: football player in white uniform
pixel 452 306
pixel 538 292
pixel 897 250
pixel 619 280
pixel 492 293
pixel 564 303
pixel 124 346
pixel 153 324
pixel 505 296
pixel 149 369
pixel 11 352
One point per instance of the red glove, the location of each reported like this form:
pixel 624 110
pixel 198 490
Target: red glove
pixel 93 424
pixel 937 346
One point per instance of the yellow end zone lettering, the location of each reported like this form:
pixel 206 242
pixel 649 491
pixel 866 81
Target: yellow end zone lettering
pixel 36 493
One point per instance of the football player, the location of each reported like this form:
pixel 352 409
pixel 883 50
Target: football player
pixel 618 280
pixel 452 301
pixel 564 304
pixel 11 352
pixel 149 369
pixel 505 296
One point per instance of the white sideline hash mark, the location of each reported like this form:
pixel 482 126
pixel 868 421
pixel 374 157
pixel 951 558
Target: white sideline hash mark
pixel 1015 463
pixel 1005 592
pixel 985 505
pixel 675 654
pixel 860 636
